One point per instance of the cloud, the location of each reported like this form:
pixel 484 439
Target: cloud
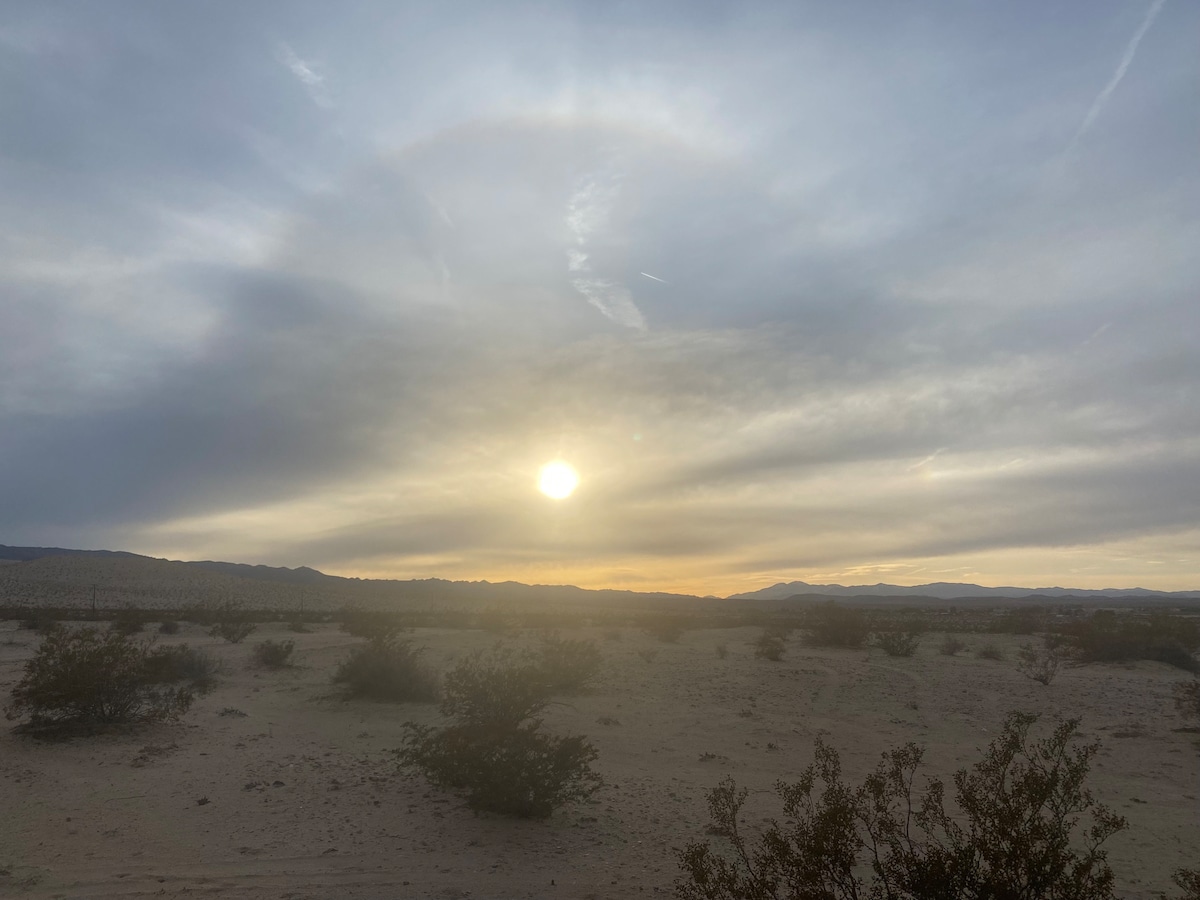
pixel 1122 67
pixel 306 73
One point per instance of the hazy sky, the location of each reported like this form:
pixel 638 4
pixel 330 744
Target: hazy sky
pixel 857 292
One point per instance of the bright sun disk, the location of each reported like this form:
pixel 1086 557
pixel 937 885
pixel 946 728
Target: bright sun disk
pixel 557 479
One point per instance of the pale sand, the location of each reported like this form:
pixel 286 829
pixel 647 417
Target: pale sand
pixel 305 801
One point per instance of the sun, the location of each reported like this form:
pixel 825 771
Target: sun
pixel 557 479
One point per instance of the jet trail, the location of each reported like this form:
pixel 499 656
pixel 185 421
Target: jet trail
pixel 1102 99
pixel 653 277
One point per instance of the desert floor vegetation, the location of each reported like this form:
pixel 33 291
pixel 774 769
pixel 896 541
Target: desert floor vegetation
pixel 300 784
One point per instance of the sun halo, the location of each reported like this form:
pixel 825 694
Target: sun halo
pixel 557 480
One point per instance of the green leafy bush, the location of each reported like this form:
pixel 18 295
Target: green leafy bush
pixel 1015 833
pixel 898 643
pixel 274 654
pixel 89 677
pixel 830 625
pixel 387 669
pixel 495 750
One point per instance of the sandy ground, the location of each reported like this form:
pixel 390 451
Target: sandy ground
pixel 301 798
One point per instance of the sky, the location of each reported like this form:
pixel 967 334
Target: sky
pixel 855 292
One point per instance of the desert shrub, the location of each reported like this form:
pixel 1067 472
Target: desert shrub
pixel 722 651
pixel 1187 698
pixel 298 627
pixel 1038 663
pixel 231 622
pixel 951 645
pixel 90 677
pixel 1023 620
pixel 387 669
pixel 614 634
pixel 830 625
pixel 38 620
pixel 274 654
pixel 568 666
pixel 898 643
pixel 668 630
pixel 768 646
pixel 169 665
pixel 168 626
pixel 495 750
pixel 1014 834
pixel 1160 637
pixel 371 624
pixel 989 651
pixel 128 621
pixel 648 654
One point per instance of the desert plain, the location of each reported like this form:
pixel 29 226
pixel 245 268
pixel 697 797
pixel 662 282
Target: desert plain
pixel 273 785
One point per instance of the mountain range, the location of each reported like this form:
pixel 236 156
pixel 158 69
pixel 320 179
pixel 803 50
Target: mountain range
pixel 439 589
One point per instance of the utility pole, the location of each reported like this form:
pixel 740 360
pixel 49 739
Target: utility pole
pixel 93 601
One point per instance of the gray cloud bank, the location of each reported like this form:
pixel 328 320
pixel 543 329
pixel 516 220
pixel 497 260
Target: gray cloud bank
pixel 890 326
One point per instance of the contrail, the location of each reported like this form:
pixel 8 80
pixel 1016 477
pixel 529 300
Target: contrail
pixel 1100 101
pixel 654 277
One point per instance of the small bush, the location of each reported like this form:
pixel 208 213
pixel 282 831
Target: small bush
pixel 951 646
pixel 1039 664
pixel 39 621
pixel 298 627
pixel 274 654
pixel 569 666
pixel 990 651
pixel 1014 836
pixel 128 621
pixel 722 651
pixel 830 625
pixel 1159 637
pixel 898 643
pixel 1187 698
pixel 495 751
pixel 768 646
pixel 371 624
pixel 168 626
pixel 89 677
pixel 231 623
pixel 387 669
pixel 667 630
pixel 169 665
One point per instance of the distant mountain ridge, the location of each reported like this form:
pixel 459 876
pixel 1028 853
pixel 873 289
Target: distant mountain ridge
pixel 944 590
pixel 442 589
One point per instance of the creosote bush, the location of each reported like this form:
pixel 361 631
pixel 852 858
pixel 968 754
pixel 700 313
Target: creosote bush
pixel 1161 637
pixel 274 654
pixel 568 666
pixel 494 750
pixel 769 645
pixel 231 623
pixel 128 621
pixel 371 623
pixel 388 669
pixel 990 651
pixel 951 646
pixel 1040 664
pixel 168 626
pixel 830 625
pixel 89 677
pixel 169 665
pixel 1016 833
pixel 898 643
